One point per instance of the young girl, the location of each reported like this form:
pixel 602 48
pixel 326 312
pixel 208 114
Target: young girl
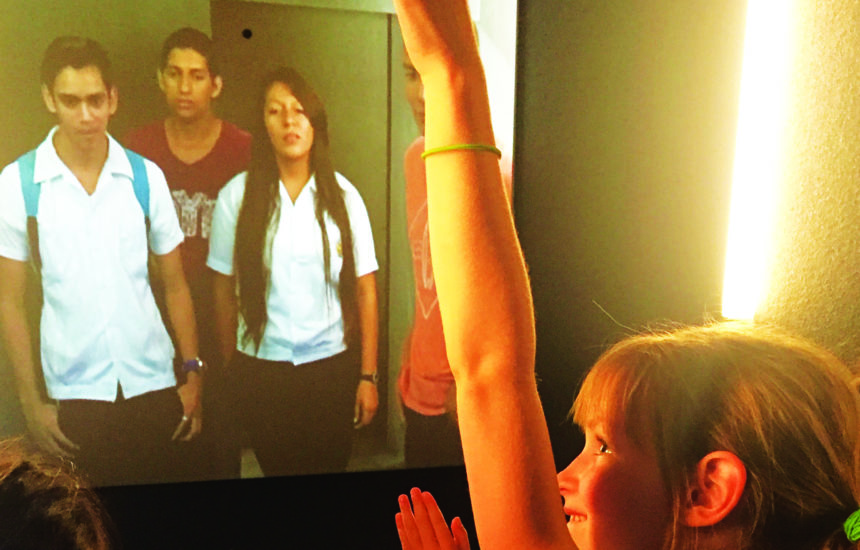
pixel 726 436
pixel 295 291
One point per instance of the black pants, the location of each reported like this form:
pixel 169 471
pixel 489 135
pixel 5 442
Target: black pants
pixel 297 419
pixel 127 441
pixel 215 452
pixel 431 440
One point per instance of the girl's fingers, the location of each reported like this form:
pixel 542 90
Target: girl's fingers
pixel 410 529
pixel 422 519
pixel 461 537
pixel 437 520
pixel 401 531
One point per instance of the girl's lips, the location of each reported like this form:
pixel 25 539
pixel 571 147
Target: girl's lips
pixel 574 516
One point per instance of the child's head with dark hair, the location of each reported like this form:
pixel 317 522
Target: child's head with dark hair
pixel 75 52
pixel 43 504
pixel 748 438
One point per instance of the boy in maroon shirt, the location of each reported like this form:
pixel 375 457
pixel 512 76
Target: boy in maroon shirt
pixel 198 153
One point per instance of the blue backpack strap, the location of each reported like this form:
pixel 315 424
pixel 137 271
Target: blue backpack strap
pixel 27 167
pixel 31 191
pixel 139 181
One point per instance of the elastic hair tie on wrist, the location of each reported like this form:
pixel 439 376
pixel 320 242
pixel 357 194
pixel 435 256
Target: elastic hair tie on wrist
pixel 852 527
pixel 463 147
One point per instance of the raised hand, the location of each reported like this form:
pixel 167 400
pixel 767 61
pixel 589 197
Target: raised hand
pixel 437 33
pixel 422 526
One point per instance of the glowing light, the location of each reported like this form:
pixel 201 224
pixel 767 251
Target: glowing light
pixel 762 117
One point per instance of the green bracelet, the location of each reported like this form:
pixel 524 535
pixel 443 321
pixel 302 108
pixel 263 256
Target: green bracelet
pixel 852 527
pixel 463 147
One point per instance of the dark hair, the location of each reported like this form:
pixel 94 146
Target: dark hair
pixel 193 39
pixel 261 208
pixel 44 504
pixel 76 52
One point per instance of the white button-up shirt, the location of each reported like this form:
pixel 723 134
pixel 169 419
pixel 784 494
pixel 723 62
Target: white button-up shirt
pixel 304 317
pixel 100 325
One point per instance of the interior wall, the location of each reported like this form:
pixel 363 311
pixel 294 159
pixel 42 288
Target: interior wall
pixel 626 121
pixel 402 305
pixel 131 32
pixel 815 281
pixel 496 23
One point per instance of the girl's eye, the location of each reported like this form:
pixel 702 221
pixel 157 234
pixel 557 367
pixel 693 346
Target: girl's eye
pixel 604 448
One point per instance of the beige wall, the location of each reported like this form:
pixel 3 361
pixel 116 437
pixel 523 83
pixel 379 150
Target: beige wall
pixel 815 283
pixel 132 33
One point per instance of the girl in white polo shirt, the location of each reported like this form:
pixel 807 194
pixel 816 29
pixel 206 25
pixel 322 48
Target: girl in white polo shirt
pixel 295 290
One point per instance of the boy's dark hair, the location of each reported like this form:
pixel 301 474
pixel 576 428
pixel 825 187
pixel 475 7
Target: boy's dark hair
pixel 190 38
pixel 76 52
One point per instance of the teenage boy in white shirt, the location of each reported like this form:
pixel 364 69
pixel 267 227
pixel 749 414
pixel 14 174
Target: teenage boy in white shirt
pixel 112 403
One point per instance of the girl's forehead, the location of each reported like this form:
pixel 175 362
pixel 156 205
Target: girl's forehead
pixel 603 425
pixel 599 404
pixel 280 91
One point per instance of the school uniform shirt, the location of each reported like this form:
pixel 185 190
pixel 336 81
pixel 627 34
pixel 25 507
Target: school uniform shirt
pixel 304 317
pixel 100 326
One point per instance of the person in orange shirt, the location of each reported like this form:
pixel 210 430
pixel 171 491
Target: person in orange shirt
pixel 426 385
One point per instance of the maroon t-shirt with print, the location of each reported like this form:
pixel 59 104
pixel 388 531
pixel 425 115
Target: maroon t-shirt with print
pixel 195 189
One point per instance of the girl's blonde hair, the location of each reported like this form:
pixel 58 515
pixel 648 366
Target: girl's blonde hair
pixel 788 409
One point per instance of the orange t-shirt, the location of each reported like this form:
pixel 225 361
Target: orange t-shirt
pixel 425 376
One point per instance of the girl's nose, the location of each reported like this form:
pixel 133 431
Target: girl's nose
pixel 567 478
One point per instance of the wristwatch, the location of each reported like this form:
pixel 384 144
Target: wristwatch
pixel 194 365
pixel 373 378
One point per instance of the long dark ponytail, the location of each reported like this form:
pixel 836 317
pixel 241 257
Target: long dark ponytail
pixel 261 207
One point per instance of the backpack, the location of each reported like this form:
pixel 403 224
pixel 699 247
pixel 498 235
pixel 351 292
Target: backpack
pixel 31 191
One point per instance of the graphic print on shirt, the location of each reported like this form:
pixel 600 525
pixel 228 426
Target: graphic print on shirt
pixel 191 209
pixel 425 285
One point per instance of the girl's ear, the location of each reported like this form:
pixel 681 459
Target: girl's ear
pixel 716 489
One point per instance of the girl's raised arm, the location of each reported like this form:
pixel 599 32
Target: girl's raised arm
pixel 483 290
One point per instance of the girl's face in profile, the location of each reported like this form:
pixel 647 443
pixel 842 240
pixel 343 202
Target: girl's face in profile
pixel 289 128
pixel 614 495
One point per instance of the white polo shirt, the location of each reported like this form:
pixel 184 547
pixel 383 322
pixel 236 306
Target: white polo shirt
pixel 100 326
pixel 304 317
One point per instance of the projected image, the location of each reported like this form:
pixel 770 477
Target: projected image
pixel 268 156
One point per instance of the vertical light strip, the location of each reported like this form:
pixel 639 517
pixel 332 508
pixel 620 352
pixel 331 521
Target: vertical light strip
pixel 757 173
